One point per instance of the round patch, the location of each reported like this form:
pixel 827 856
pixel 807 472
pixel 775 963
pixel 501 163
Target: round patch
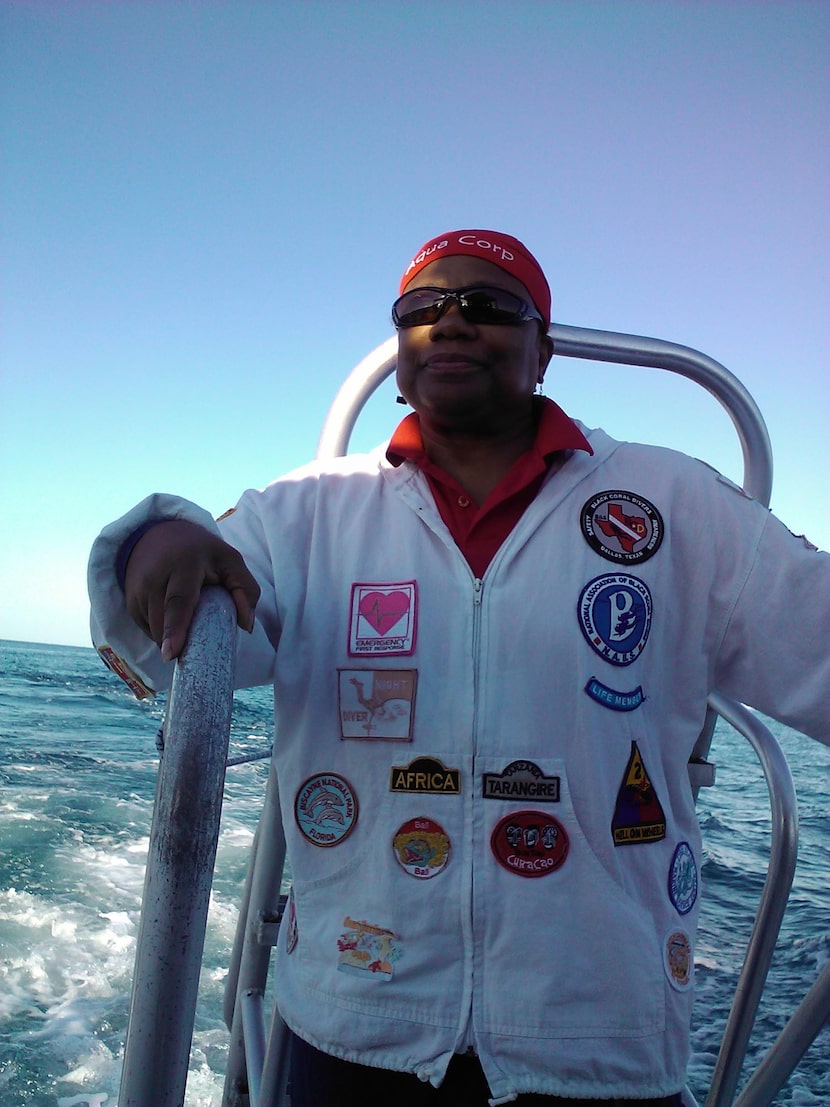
pixel 421 848
pixel 529 843
pixel 621 526
pixel 615 616
pixel 292 934
pixel 325 808
pixel 677 960
pixel 683 879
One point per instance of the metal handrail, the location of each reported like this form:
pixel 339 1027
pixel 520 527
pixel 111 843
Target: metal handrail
pixel 180 863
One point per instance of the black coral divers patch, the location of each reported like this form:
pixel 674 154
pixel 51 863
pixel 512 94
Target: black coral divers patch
pixel 622 526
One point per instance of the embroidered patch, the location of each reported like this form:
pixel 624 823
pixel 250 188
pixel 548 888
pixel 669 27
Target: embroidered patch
pixel 683 879
pixel 226 514
pixel 376 704
pixel 120 667
pixel 677 960
pixel 325 808
pixel 521 780
pixel 422 848
pixel 621 526
pixel 529 843
pixel 610 697
pixel 383 619
pixel 425 775
pixel 615 617
pixel 638 815
pixel 365 948
pixel 292 934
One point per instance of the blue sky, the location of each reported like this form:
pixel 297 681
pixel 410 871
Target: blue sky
pixel 206 209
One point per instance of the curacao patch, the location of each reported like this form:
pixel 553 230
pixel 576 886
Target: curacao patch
pixel 523 781
pixel 678 960
pixel 383 619
pixel 367 950
pixel 638 814
pixel 376 704
pixel 622 526
pixel 529 843
pixel 615 617
pixel 683 879
pixel 422 848
pixel 425 775
pixel 325 809
pixel 120 667
pixel 610 697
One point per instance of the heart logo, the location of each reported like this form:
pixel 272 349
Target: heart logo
pixel 382 610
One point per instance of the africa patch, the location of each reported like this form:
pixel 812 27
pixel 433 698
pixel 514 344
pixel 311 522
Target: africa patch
pixel 638 815
pixel 521 780
pixel 610 697
pixel 683 879
pixel 529 843
pixel 376 704
pixel 421 848
pixel 615 617
pixel 367 949
pixel 621 526
pixel 678 960
pixel 325 809
pixel 425 775
pixel 383 619
pixel 120 667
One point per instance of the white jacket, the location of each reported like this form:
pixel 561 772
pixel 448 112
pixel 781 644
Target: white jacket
pixel 489 820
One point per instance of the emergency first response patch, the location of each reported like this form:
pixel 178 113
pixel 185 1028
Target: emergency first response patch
pixel 621 526
pixel 529 843
pixel 367 949
pixel 325 809
pixel 521 780
pixel 120 667
pixel 678 960
pixel 638 814
pixel 383 619
pixel 425 775
pixel 615 617
pixel 376 704
pixel 683 879
pixel 422 848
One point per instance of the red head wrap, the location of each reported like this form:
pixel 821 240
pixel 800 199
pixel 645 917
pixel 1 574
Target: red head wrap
pixel 500 249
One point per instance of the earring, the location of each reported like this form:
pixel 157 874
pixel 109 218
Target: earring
pixel 540 391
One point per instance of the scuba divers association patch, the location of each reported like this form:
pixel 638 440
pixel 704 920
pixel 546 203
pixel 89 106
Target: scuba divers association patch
pixel 621 526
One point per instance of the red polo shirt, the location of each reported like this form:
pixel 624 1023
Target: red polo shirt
pixel 479 531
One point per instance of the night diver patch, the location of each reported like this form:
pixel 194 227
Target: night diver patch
pixel 621 526
pixel 521 780
pixel 383 619
pixel 615 616
pixel 425 775
pixel 376 704
pixel 638 815
pixel 683 879
pixel 610 697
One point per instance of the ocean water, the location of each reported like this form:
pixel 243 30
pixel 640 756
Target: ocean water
pixel 78 766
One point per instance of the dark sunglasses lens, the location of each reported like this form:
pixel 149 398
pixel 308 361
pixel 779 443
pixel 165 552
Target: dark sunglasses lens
pixel 417 308
pixel 491 305
pixel 479 304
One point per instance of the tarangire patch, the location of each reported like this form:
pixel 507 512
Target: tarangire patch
pixel 383 619
pixel 325 809
pixel 521 780
pixel 529 843
pixel 367 949
pixel 622 526
pixel 615 616
pixel 638 814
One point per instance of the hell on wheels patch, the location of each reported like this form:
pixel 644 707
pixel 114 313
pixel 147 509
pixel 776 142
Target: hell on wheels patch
pixel 529 843
pixel 638 815
pixel 325 808
pixel 622 526
pixel 421 848
pixel 683 879
pixel 615 617
pixel 383 619
pixel 521 780
pixel 376 704
pixel 364 948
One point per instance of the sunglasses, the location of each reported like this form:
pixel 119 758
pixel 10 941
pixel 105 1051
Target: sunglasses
pixel 478 303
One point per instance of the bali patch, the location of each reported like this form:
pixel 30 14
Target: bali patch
pixel 383 619
pixel 529 843
pixel 367 949
pixel 638 815
pixel 523 781
pixel 425 775
pixel 422 848
pixel 376 704
pixel 325 809
pixel 683 879
pixel 678 960
pixel 615 617
pixel 621 526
